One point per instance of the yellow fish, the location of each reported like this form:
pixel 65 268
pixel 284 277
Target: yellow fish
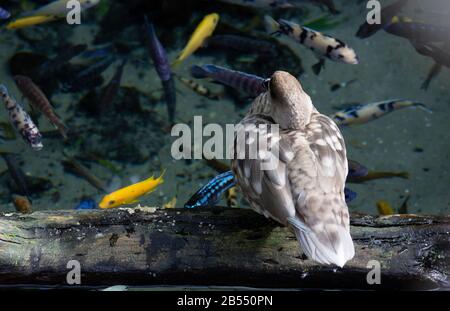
pixel 203 31
pixel 384 208
pixel 130 194
pixel 30 21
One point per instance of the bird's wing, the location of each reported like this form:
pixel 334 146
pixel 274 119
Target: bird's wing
pixel 263 179
pixel 317 177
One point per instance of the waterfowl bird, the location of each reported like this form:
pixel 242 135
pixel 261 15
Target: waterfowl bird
pixel 302 185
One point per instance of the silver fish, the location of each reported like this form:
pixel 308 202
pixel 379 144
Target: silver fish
pixel 21 120
pixel 360 114
pixel 305 188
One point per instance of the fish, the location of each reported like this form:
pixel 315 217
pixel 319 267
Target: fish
pixel 73 166
pixel 38 100
pixel 418 32
pixel 171 204
pixel 441 57
pixel 55 65
pixel 336 86
pixel 262 4
pixel 59 8
pixel 244 82
pixel 21 120
pixel 241 44
pixel 88 77
pixel 86 203
pixel 204 30
pixel 30 21
pixel 231 195
pixel 199 88
pixel 16 173
pixel 366 30
pixel 132 193
pixel 384 208
pixel 4 14
pixel 22 204
pixel 162 66
pixel 112 88
pixel 404 207
pixel 372 175
pixel 361 114
pixel 322 45
pixel 356 169
pixel 209 195
pixel 97 53
pixel 349 194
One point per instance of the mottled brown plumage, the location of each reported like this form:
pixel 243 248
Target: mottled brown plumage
pixel 38 100
pixel 305 189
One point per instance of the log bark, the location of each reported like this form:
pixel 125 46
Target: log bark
pixel 216 246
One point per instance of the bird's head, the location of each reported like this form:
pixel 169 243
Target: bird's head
pixel 291 106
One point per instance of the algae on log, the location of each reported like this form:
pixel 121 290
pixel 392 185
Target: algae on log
pixel 216 246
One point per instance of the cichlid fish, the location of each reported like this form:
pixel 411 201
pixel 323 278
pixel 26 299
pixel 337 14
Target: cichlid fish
pixel 30 21
pixel 4 14
pixel 38 100
pixel 241 44
pixel 384 208
pixel 372 175
pixel 73 166
pixel 88 77
pixel 131 194
pixel 210 194
pixel 86 203
pixel 416 31
pixel 162 66
pixel 199 88
pixel 21 120
pixel 322 45
pixel 55 65
pixel 356 169
pixel 366 30
pixel 262 4
pixel 204 30
pixel 360 114
pixel 244 82
pixel 111 90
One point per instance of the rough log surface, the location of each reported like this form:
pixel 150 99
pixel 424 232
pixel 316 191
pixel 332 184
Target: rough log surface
pixel 218 246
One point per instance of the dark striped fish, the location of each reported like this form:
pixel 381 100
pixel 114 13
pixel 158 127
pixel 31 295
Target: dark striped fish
pixel 417 32
pixel 21 120
pixel 89 77
pixel 242 44
pixel 210 193
pixel 366 30
pixel 111 90
pixel 162 66
pixel 244 82
pixel 55 65
pixel 38 100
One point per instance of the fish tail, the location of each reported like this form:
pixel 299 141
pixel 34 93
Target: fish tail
pixel 404 175
pixel 272 26
pixel 423 107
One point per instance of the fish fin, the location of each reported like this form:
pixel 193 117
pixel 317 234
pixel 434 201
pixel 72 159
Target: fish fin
pixel 318 67
pixel 271 25
pixel 350 195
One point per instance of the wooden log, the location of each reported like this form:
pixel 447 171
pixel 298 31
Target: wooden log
pixel 217 246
